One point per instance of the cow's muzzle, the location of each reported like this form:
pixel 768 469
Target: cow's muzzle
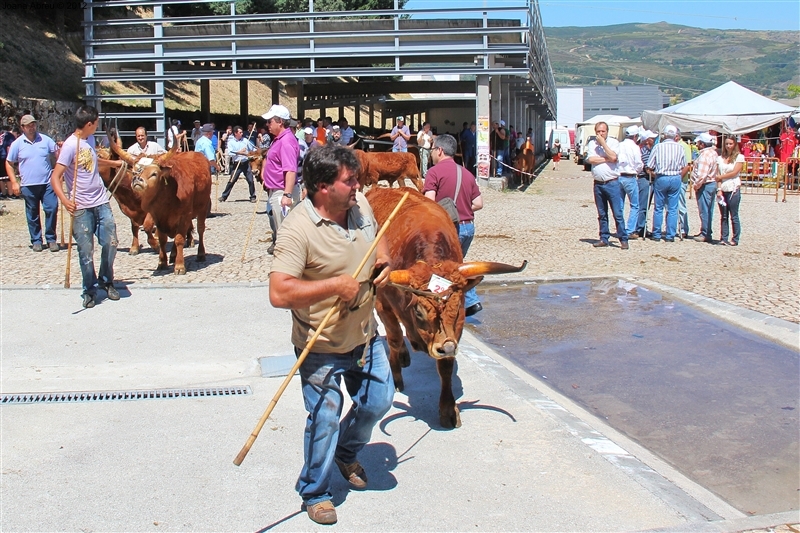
pixel 138 184
pixel 448 348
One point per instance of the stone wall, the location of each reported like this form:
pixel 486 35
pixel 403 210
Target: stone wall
pixel 54 118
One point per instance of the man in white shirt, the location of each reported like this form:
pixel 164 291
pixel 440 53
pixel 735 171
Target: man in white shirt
pixel 602 153
pixel 196 131
pixel 629 165
pixel 425 143
pixel 143 146
pixel 347 131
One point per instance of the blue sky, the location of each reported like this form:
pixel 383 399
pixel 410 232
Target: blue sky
pixel 721 14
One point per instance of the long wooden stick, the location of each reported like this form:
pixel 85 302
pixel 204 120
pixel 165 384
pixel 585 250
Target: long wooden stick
pixel 252 221
pixel 72 217
pixel 62 220
pixel 312 340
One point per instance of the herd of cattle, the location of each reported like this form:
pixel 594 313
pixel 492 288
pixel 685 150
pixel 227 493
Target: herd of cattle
pixel 164 195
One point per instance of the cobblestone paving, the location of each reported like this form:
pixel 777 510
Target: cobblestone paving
pixel 552 224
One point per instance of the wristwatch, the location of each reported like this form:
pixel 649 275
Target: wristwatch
pixel 287 195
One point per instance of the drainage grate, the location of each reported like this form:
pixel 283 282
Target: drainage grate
pixel 107 396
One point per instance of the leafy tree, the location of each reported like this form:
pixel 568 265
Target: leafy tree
pixel 793 90
pixel 192 9
pixel 291 6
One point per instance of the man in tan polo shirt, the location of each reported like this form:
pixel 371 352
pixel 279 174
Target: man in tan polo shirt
pixel 320 244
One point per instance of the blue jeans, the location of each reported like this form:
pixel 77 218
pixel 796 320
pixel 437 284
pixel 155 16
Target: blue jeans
pixel 89 222
pixel 605 195
pixel 399 149
pixel 731 210
pixel 499 168
pixel 629 187
pixel 44 195
pixel 705 205
pixel 326 437
pixel 683 213
pixel 644 198
pixel 667 189
pixel 466 232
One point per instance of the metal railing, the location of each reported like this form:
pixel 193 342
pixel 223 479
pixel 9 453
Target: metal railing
pixel 501 40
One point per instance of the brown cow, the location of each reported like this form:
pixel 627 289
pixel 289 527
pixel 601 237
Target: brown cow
pixel 129 202
pixel 256 161
pixel 524 163
pixel 175 189
pixel 389 166
pixel 422 242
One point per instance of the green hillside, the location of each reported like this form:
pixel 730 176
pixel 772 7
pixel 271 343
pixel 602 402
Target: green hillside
pixel 682 60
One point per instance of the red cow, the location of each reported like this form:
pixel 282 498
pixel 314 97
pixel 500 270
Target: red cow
pixel 422 242
pixel 389 166
pixel 129 202
pixel 524 163
pixel 175 189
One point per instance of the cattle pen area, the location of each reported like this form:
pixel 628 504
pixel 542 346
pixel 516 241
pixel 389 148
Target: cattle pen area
pixel 599 390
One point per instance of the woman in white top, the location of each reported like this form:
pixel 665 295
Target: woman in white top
pixel 730 164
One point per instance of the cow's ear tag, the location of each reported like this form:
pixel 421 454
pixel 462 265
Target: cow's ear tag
pixel 438 284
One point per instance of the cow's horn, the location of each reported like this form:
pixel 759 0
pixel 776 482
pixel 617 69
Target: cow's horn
pixel 400 277
pixel 484 268
pixel 113 140
pixel 163 158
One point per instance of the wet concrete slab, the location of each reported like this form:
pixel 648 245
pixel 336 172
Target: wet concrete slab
pixel 717 402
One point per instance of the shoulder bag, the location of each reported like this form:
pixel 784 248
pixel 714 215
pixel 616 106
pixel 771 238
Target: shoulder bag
pixel 448 203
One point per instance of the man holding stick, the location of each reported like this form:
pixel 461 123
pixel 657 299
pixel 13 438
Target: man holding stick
pixel 88 204
pixel 319 245
pixel 238 148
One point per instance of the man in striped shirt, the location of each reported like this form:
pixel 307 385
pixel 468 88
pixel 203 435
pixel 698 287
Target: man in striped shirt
pixel 646 144
pixel 668 161
pixel 704 181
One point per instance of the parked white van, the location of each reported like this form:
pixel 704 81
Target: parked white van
pixel 562 134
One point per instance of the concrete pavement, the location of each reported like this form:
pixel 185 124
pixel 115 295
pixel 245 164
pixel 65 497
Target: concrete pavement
pixel 524 460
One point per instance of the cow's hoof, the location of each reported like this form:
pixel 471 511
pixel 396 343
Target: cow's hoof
pixel 201 258
pixel 133 251
pixel 451 419
pixel 180 270
pixel 162 266
pixel 399 385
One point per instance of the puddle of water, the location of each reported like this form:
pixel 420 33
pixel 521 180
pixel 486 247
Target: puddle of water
pixel 718 403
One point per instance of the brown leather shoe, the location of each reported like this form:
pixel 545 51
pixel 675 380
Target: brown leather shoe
pixel 354 474
pixel 600 244
pixel 322 513
pixel 623 245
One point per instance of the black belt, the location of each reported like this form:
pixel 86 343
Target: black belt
pixel 628 175
pixel 466 222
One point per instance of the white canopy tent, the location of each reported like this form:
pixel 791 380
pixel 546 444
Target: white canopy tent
pixel 730 108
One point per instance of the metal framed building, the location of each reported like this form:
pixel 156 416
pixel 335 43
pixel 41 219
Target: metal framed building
pixel 498 54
